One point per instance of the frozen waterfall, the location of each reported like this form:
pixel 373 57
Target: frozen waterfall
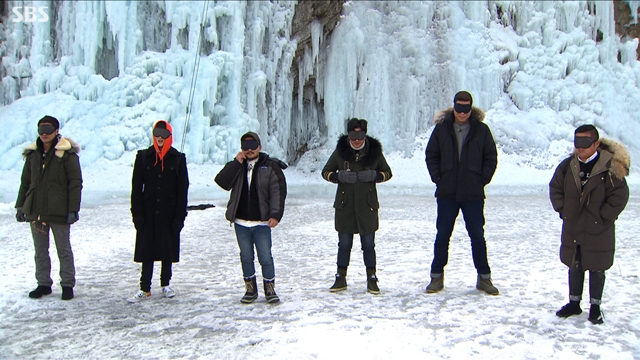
pixel 109 69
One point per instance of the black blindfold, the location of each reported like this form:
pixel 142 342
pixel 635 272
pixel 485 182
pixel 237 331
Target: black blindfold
pixel 582 142
pixel 249 144
pixel 160 132
pixel 462 108
pixel 357 135
pixel 46 129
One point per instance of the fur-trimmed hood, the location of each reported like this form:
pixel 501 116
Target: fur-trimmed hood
pixel 64 144
pixel 476 114
pixel 370 153
pixel 620 160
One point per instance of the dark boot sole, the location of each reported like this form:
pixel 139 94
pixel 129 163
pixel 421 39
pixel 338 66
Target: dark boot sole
pixel 431 291
pixel 248 300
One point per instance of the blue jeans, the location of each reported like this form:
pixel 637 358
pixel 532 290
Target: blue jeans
pixel 473 213
pixel 260 236
pixel 345 243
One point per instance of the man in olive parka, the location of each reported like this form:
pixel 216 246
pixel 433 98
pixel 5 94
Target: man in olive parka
pixel 49 199
pixel 356 165
pixel 589 191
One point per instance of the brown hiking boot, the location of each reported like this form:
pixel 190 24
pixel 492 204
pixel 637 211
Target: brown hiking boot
pixel 436 285
pixel 487 286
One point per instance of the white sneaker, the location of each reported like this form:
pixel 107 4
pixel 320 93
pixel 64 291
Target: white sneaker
pixel 168 293
pixel 139 296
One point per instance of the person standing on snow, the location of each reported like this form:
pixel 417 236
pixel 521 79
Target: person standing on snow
pixel 159 188
pixel 356 165
pixel 461 157
pixel 589 191
pixel 49 198
pixel 258 191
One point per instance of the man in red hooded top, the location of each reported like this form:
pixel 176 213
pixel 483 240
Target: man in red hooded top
pixel 159 189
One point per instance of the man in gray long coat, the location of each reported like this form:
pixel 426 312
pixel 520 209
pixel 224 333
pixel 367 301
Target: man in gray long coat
pixel 49 198
pixel 589 191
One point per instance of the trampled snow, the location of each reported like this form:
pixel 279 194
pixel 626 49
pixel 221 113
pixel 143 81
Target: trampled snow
pixel 538 69
pixel 207 320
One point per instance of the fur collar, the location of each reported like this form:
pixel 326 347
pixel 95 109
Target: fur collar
pixel 442 115
pixel 64 144
pixel 369 154
pixel 620 159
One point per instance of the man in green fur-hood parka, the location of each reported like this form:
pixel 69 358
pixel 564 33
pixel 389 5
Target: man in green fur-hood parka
pixel 49 199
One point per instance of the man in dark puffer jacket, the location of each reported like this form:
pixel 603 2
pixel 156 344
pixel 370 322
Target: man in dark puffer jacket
pixel 258 190
pixel 461 157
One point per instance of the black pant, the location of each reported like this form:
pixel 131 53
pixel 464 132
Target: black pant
pixel 576 281
pixel 147 274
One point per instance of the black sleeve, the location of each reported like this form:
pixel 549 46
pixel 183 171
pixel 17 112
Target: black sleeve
pixel 432 156
pixel 228 175
pixel 137 184
pixel 182 189
pixel 25 183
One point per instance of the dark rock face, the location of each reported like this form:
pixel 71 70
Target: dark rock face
pixel 625 26
pixel 328 12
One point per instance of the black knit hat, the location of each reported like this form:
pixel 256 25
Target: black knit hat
pixel 50 120
pixel 355 123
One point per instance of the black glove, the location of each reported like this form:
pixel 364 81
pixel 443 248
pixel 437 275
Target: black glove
pixel 367 175
pixel 73 217
pixel 347 177
pixel 20 216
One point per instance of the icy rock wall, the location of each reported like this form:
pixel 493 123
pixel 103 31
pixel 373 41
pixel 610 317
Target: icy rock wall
pixel 556 64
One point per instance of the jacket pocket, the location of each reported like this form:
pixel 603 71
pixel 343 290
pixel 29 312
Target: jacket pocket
pixel 341 201
pixel 372 200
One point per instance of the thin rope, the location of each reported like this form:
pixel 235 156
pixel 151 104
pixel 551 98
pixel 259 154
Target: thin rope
pixel 194 76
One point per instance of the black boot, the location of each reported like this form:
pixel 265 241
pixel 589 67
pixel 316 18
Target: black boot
pixel 572 308
pixel 39 291
pixel 341 281
pixel 372 281
pixel 67 293
pixel 252 290
pixel 595 316
pixel 270 291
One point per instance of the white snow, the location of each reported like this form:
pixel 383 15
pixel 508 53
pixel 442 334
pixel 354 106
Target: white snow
pixel 207 320
pixel 534 67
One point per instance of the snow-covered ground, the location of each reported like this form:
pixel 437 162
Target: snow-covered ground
pixel 207 320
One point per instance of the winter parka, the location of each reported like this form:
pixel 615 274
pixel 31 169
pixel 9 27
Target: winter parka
pixel 50 186
pixel 588 215
pixel 271 186
pixel 357 204
pixel 159 204
pixel 463 177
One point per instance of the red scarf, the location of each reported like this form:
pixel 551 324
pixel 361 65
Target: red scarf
pixel 161 152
